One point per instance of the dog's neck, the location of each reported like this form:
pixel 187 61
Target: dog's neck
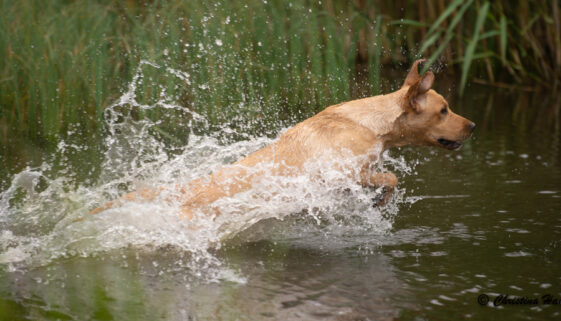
pixel 399 135
pixel 378 114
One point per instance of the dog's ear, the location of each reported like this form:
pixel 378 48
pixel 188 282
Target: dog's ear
pixel 413 75
pixel 417 91
pixel 426 83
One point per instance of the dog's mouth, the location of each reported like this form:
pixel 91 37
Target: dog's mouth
pixel 450 144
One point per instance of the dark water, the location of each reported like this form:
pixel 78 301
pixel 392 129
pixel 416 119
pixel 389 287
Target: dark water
pixel 483 220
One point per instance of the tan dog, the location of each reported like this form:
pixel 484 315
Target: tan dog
pixel 413 115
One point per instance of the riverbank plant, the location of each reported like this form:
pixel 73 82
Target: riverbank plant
pixel 62 62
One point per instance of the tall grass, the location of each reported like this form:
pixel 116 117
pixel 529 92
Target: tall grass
pixel 519 39
pixel 62 62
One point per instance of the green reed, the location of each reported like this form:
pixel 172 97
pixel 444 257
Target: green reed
pixel 63 62
pixel 517 41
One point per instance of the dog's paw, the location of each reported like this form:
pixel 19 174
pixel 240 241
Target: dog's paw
pixel 384 194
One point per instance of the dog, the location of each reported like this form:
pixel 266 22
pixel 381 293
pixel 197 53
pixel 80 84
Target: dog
pixel 413 115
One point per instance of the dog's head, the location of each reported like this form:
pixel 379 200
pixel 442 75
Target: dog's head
pixel 427 119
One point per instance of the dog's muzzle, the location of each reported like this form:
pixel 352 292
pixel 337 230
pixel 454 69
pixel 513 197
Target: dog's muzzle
pixel 450 144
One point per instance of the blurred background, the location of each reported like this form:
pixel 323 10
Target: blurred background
pixel 62 62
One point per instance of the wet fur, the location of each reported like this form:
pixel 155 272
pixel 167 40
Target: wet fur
pixel 412 115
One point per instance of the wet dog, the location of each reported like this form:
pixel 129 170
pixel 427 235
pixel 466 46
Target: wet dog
pixel 413 115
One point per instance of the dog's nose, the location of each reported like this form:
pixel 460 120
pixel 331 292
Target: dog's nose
pixel 471 127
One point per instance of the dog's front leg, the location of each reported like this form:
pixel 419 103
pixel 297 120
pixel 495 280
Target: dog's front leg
pixel 386 180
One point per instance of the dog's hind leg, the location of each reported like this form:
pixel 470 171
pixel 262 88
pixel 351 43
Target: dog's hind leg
pixel 145 194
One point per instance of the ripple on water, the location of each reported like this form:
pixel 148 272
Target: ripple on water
pixel 517 254
pixel 517 230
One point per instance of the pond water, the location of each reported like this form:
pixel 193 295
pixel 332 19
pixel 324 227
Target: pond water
pixel 484 220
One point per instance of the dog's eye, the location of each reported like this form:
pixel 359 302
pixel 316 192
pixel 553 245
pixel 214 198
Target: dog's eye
pixel 444 111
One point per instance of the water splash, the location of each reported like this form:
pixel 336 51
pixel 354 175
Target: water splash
pixel 43 214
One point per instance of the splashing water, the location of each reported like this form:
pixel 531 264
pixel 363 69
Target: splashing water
pixel 43 214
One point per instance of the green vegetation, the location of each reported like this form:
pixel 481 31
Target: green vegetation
pixel 62 62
